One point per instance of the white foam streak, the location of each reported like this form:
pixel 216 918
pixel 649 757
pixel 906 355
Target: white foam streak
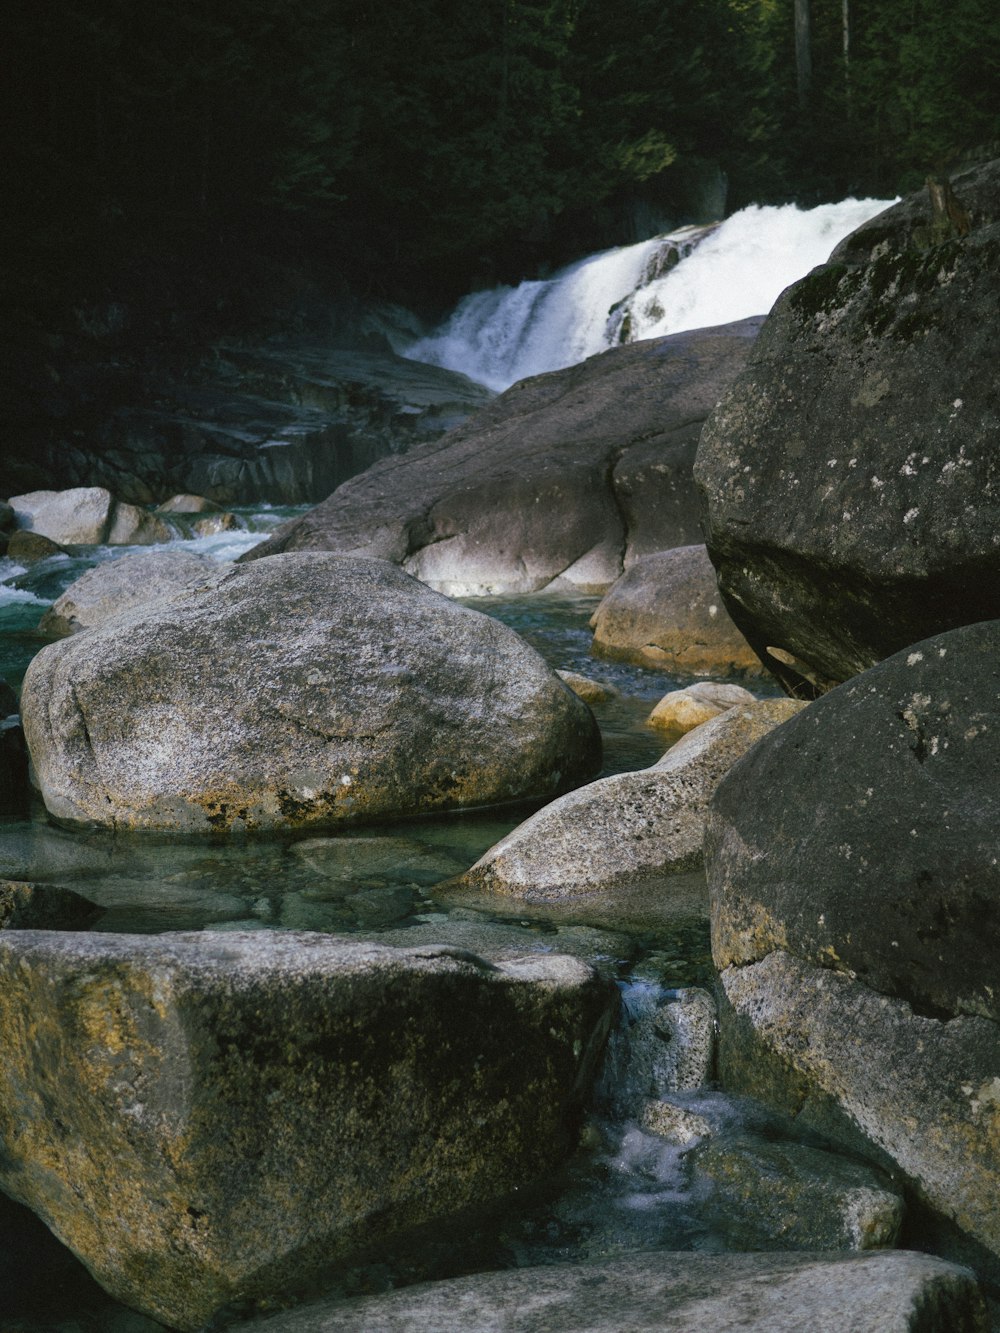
pixel 738 270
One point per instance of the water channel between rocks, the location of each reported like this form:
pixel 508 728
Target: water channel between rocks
pixel 627 1189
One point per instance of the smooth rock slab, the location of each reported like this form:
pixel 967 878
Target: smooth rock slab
pixel 560 482
pixel 206 1119
pixel 626 850
pixel 894 1292
pixel 771 1194
pixel 307 690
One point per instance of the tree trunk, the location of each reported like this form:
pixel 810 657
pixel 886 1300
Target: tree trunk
pixel 803 51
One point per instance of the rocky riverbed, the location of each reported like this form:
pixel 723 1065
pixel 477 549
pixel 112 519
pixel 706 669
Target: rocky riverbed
pixel 345 984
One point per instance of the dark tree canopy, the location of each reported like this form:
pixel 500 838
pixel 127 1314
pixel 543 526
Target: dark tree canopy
pixel 426 145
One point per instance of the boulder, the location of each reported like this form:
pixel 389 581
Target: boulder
pixel 88 516
pixel 664 1043
pixel 663 1292
pixel 210 1119
pixel 302 691
pixel 665 612
pixel 626 850
pixel 855 894
pixel 541 488
pixel 680 711
pixel 850 476
pixel 119 585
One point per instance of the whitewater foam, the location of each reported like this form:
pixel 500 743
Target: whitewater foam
pixel 733 271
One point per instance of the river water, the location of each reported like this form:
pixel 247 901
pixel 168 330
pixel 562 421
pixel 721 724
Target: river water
pixel 625 1190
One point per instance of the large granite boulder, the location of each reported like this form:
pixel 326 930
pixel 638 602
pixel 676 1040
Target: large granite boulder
pixel 88 516
pixel 626 850
pixel 305 690
pixel 212 1119
pixel 665 612
pixel 855 897
pixel 850 477
pixel 120 585
pixel 558 483
pixel 663 1292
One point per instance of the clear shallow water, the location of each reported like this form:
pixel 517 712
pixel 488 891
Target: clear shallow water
pixel 625 1188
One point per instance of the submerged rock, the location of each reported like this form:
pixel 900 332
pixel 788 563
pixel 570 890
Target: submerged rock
pixel 119 585
pixel 26 906
pixel 256 1108
pixel 851 477
pixel 305 690
pixel 665 612
pixel 856 921
pixel 626 850
pixel 662 1292
pixel 555 484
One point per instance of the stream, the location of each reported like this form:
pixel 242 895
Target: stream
pixel 626 1189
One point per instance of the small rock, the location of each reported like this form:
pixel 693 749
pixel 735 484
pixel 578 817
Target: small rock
pixel 783 1195
pixel 28 548
pixel 590 691
pixel 666 612
pixel 188 504
pixel 674 1123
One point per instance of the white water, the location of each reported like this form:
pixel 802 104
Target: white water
pixel 735 270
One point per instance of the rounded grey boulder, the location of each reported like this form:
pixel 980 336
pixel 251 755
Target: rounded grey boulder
pixel 300 691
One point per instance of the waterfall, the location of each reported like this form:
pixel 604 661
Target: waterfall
pixel 687 279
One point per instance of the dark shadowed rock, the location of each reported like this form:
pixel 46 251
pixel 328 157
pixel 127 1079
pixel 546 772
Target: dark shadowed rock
pixel 895 1292
pixel 206 1119
pixel 855 898
pixel 43 907
pixel 561 481
pixel 851 477
pixel 305 690
pixel 666 612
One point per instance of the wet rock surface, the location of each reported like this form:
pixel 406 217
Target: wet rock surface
pixel 850 477
pixel 281 421
pixel 559 482
pixel 306 690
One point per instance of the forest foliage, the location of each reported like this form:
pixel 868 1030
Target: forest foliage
pixel 432 144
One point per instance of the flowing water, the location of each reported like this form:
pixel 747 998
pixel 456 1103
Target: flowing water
pixel 689 279
pixel 626 1189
